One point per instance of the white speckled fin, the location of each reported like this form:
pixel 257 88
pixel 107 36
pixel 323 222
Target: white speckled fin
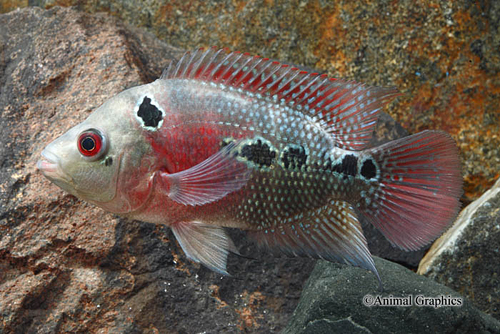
pixel 347 109
pixel 205 244
pixel 209 181
pixel 331 232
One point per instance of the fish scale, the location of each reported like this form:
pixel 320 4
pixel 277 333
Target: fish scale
pixel 226 139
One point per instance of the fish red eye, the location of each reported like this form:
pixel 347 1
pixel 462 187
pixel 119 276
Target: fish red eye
pixel 91 144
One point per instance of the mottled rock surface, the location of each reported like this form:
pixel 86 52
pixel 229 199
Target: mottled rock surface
pixel 467 257
pixel 66 266
pixel 442 55
pixel 333 302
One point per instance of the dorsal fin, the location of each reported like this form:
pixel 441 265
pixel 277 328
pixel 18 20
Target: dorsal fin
pixel 347 109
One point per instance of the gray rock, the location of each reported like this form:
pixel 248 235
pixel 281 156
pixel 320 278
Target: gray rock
pixel 466 258
pixel 332 302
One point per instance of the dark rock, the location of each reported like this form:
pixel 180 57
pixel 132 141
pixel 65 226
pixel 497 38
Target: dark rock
pixel 466 258
pixel 333 302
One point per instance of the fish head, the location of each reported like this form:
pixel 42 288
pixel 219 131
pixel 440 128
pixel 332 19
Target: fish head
pixel 106 159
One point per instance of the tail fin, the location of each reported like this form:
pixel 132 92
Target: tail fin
pixel 420 184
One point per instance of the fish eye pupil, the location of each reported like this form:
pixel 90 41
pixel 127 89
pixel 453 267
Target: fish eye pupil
pixel 88 143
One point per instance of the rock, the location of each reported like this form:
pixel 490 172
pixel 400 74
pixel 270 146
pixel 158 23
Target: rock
pixel 466 257
pixel 333 302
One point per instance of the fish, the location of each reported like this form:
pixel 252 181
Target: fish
pixel 229 140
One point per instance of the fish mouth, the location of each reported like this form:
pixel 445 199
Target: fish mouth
pixel 50 167
pixel 48 164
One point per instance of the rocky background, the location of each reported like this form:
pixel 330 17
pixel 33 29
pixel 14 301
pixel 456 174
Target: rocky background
pixel 66 266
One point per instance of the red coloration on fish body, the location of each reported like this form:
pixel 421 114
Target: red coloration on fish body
pixel 230 140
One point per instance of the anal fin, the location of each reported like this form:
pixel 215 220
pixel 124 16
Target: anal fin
pixel 331 232
pixel 205 244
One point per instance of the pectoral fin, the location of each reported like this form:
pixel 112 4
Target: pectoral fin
pixel 205 244
pixel 210 180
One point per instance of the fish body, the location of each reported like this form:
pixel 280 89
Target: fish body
pixel 230 140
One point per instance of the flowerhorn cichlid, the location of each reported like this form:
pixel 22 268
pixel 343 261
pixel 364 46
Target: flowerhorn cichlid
pixel 225 139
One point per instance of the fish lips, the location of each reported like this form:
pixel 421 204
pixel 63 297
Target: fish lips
pixel 50 168
pixel 49 163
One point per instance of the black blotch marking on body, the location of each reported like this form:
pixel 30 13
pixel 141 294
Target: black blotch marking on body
pixel 258 152
pixel 294 157
pixel 368 170
pixel 108 162
pixel 149 113
pixel 348 166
